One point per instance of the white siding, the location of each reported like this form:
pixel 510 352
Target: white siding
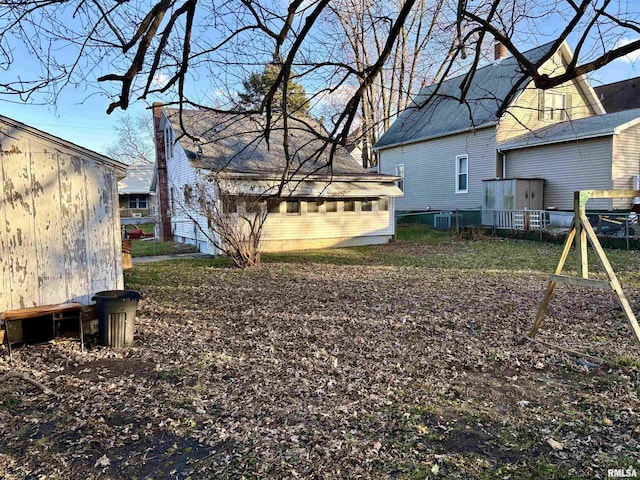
pixel 61 235
pixel 430 166
pixel 626 162
pixel 281 231
pixel 523 115
pixel 185 230
pixel 565 167
pixel 284 231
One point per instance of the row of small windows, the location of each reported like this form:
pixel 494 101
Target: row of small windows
pixel 294 207
pixel 231 204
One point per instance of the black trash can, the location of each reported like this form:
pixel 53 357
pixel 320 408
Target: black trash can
pixel 116 316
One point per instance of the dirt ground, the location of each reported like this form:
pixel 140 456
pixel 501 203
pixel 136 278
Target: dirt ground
pixel 326 371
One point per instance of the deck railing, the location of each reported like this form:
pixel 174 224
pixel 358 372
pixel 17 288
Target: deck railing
pixel 516 219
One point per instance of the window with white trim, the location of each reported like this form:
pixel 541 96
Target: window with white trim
pixel 229 203
pixel 400 173
pixel 168 142
pixel 553 105
pixel 462 174
pixel 293 207
pixel 273 205
pixel 349 206
pixel 137 201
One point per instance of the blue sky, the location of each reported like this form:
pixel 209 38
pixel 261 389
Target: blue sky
pixel 80 117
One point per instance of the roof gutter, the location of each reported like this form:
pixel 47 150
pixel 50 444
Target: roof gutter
pixel 506 147
pixel 310 177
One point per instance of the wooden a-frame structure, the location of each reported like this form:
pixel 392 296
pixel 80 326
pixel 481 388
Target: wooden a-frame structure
pixel 581 230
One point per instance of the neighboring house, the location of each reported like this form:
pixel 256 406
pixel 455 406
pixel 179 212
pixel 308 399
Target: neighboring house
pixel 444 150
pixel 618 96
pixel 138 194
pixel 323 207
pixel 60 239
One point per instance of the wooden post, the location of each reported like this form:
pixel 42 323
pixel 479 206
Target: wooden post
pixel 552 284
pixel 582 258
pixel 582 230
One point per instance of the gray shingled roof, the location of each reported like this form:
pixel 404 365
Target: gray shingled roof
pixel 598 125
pixel 444 114
pixel 236 144
pixel 140 179
pixel 618 96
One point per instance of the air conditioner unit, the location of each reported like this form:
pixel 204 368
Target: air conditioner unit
pixel 136 215
pixel 445 220
pixel 442 221
pixel 636 186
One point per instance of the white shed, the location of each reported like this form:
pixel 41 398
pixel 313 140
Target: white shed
pixel 59 208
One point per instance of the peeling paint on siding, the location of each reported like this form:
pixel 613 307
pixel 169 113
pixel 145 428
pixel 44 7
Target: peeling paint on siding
pixel 12 151
pixel 60 240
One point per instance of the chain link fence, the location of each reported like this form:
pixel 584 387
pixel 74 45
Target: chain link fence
pixel 614 229
pixel 453 220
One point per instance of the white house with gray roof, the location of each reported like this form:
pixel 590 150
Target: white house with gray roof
pixel 137 192
pixel 323 205
pixel 445 149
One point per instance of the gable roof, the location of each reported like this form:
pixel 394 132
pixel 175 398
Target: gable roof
pixel 140 179
pixel 583 128
pixel 443 113
pixel 119 167
pixel 236 144
pixel 619 96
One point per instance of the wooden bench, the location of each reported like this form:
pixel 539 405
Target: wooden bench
pixel 24 324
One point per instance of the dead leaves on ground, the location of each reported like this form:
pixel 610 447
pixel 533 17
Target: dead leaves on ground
pixel 324 371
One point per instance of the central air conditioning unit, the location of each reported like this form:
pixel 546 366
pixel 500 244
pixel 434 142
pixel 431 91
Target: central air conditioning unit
pixel 136 215
pixel 445 220
pixel 636 186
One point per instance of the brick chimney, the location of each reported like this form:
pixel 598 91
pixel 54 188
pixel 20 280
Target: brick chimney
pixel 163 180
pixel 500 51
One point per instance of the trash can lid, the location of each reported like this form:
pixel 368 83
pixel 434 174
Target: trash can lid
pixel 117 295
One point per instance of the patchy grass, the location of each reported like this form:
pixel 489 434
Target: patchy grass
pixel 393 361
pixel 420 246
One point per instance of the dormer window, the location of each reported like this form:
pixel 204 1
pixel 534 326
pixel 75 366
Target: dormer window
pixel 553 105
pixel 168 142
